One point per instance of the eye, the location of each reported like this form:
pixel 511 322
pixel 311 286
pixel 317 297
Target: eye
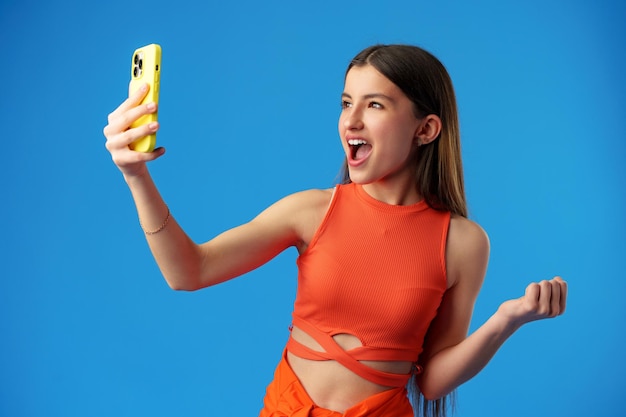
pixel 375 105
pixel 345 104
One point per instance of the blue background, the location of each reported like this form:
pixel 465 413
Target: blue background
pixel 249 103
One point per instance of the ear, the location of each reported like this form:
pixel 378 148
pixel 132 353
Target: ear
pixel 428 130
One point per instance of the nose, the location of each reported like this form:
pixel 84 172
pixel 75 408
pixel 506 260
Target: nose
pixel 352 119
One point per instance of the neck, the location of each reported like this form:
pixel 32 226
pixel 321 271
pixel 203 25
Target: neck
pixel 394 192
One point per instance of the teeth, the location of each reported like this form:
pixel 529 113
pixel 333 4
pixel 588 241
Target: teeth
pixel 356 142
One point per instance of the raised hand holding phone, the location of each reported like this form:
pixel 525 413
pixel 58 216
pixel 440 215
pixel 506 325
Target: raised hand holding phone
pixel 132 126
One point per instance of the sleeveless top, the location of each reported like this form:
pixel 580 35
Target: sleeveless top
pixel 375 271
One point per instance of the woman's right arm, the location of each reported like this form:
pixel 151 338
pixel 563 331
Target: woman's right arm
pixel 184 264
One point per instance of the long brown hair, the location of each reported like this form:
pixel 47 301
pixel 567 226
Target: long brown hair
pixel 426 82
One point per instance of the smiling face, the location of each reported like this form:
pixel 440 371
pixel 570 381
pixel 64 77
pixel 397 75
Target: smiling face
pixel 378 128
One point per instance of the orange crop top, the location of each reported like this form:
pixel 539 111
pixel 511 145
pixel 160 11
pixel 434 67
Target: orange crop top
pixel 375 271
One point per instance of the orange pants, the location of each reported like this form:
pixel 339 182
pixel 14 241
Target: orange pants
pixel 286 397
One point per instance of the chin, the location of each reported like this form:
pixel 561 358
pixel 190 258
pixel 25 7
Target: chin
pixel 360 179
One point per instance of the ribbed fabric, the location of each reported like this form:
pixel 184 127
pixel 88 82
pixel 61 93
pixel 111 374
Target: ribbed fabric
pixel 375 271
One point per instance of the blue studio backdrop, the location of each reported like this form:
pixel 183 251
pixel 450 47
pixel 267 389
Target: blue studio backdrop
pixel 250 96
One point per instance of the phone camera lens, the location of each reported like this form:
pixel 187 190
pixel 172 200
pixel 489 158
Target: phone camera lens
pixel 135 70
pixel 140 63
pixel 136 59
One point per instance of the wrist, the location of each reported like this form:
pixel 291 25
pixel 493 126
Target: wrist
pixel 136 178
pixel 504 323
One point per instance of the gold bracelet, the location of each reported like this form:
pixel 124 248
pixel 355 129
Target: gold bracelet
pixel 153 232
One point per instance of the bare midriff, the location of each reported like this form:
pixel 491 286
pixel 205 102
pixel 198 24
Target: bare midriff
pixel 331 385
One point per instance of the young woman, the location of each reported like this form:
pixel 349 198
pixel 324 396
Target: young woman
pixel 389 265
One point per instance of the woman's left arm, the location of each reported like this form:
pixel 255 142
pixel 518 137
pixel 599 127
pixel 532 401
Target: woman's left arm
pixel 450 357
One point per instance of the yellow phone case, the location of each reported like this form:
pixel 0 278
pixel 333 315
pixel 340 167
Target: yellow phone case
pixel 146 68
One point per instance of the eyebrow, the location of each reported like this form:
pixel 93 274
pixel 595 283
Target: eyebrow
pixel 370 96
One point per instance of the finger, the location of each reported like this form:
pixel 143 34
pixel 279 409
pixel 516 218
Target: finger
pixel 122 140
pixel 555 299
pixel 148 156
pixel 130 157
pixel 545 297
pixel 123 121
pixel 563 300
pixel 532 295
pixel 132 101
pixel 137 133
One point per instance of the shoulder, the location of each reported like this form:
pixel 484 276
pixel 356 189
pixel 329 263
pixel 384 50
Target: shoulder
pixel 314 196
pixel 307 200
pixel 464 232
pixel 467 251
pixel 302 212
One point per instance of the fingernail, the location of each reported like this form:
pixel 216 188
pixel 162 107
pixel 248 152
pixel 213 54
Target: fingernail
pixel 153 126
pixel 151 106
pixel 144 87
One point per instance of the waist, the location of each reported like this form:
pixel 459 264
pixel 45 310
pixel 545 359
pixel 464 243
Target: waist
pixel 335 394
pixel 330 385
pixel 381 360
pixel 343 357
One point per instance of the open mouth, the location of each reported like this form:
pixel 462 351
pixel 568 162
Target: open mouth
pixel 359 149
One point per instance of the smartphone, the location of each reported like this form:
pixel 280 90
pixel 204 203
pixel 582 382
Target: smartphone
pixel 146 68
